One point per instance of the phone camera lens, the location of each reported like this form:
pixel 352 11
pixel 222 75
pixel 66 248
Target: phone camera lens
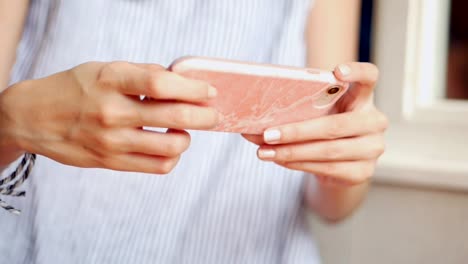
pixel 333 90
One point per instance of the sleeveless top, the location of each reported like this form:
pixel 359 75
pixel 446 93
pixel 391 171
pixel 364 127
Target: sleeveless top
pixel 220 204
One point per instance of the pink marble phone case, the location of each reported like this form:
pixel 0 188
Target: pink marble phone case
pixel 254 97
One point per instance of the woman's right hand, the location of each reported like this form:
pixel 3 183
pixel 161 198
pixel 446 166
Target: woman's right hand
pixel 92 116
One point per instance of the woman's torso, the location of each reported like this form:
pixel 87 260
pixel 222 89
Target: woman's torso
pixel 220 204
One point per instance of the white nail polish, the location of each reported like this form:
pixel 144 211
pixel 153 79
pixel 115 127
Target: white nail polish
pixel 271 135
pixel 344 69
pixel 266 153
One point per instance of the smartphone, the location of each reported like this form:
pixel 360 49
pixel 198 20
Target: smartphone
pixel 254 97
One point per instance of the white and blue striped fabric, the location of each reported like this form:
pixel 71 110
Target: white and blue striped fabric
pixel 220 204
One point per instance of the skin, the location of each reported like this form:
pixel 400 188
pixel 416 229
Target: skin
pixel 338 152
pixel 99 116
pixel 85 120
pixel 332 38
pixel 12 14
pixel 332 33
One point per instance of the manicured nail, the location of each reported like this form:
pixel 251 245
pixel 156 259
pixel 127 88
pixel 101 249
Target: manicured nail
pixel 271 135
pixel 266 153
pixel 212 92
pixel 344 69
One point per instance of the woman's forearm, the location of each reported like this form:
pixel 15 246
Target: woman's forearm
pixel 332 33
pixel 332 38
pixel 12 16
pixel 333 201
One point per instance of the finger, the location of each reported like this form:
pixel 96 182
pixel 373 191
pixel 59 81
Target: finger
pixel 150 66
pixel 175 115
pixel 335 126
pixel 202 91
pixel 86 157
pixel 347 149
pixel 155 82
pixel 140 163
pixel 363 74
pixel 256 139
pixel 357 72
pixel 170 144
pixel 126 77
pixel 351 171
pixel 168 85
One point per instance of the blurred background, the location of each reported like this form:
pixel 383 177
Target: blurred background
pixel 417 210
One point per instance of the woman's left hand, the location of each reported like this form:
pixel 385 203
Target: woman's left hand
pixel 342 147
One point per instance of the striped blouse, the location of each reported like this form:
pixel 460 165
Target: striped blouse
pixel 220 204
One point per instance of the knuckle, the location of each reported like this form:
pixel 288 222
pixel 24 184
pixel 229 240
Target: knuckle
pixel 375 148
pixel 333 152
pixel 150 85
pixel 291 133
pixel 356 176
pixel 97 156
pixel 182 115
pixel 185 143
pixel 107 142
pixel 116 65
pixel 333 168
pixel 362 173
pixel 285 153
pixel 369 71
pixel 176 147
pixel 172 148
pixel 379 150
pixel 335 129
pixel 104 79
pixel 382 121
pixel 166 166
pixel 107 73
pixel 154 84
pixel 89 64
pixel 374 72
pixel 106 115
pixel 154 67
pixel 203 118
pixel 104 161
pixel 92 161
pixel 368 171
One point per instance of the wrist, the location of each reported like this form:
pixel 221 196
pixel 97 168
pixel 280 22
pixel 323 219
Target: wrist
pixel 10 144
pixel 332 182
pixel 333 200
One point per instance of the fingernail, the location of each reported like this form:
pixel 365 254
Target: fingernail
pixel 212 92
pixel 266 153
pixel 271 135
pixel 344 69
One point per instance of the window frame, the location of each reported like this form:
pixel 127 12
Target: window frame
pixel 425 141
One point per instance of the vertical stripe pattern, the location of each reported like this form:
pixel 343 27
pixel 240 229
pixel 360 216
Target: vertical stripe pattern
pixel 220 204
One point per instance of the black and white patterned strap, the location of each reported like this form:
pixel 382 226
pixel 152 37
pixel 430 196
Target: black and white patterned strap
pixel 15 180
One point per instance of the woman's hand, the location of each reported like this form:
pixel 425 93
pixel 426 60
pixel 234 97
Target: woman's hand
pixel 343 147
pixel 92 116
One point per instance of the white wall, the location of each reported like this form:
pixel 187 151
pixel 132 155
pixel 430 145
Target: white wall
pixel 399 225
